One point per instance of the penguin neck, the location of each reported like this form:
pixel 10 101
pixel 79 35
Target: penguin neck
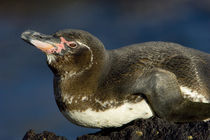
pixel 85 82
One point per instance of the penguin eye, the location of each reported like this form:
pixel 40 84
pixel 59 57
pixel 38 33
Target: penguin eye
pixel 72 44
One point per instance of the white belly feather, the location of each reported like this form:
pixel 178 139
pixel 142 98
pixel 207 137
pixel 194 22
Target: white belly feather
pixel 193 95
pixel 118 116
pixel 113 117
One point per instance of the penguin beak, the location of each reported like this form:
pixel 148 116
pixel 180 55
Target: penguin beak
pixel 45 43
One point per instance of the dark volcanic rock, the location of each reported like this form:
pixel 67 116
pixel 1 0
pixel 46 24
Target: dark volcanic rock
pixel 150 129
pixel 31 135
pixel 154 128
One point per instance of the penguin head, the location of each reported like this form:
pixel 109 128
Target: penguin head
pixel 68 51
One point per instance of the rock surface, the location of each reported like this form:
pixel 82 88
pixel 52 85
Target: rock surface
pixel 45 135
pixel 153 128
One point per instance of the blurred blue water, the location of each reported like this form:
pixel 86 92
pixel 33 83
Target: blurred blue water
pixel 26 93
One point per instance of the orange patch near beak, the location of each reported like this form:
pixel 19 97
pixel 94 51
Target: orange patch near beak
pixel 45 47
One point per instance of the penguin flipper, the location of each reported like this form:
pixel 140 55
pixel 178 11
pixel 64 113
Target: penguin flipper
pixel 191 111
pixel 163 93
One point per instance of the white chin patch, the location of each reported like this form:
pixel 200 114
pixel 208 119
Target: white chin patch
pixel 50 58
pixel 193 95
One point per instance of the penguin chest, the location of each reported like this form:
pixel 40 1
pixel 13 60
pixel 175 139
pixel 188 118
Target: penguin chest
pixel 112 117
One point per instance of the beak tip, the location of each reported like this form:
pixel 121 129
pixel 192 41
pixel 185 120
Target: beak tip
pixel 26 35
pixel 37 39
pixel 23 36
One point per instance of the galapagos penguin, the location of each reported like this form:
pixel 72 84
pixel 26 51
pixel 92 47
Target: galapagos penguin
pixel 100 88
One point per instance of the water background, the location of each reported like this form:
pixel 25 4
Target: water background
pixel 26 91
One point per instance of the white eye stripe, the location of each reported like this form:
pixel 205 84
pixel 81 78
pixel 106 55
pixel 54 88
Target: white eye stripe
pixel 82 44
pixel 69 75
pixel 51 58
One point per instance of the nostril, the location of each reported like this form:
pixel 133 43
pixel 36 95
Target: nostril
pixel 37 36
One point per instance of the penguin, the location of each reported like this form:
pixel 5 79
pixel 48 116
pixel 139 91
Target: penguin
pixel 99 88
